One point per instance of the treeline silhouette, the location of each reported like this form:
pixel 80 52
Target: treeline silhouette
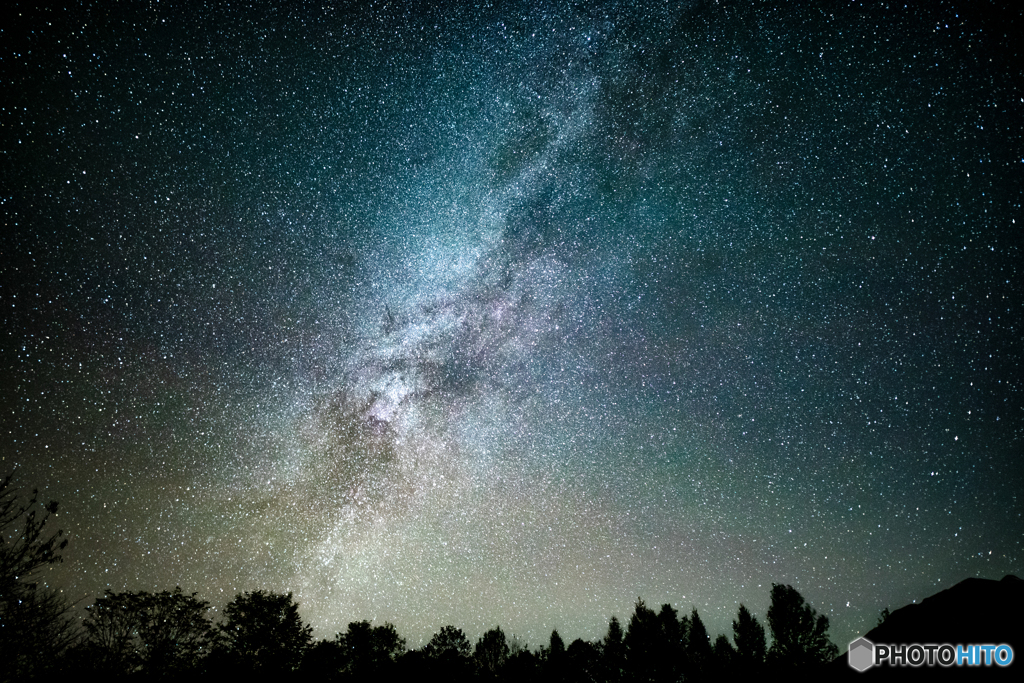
pixel 171 636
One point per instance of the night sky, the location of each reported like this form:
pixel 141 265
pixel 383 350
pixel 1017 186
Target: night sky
pixel 513 314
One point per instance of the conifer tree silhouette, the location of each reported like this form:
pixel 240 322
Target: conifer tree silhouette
pixel 748 633
pixel 699 656
pixel 642 642
pixel 614 652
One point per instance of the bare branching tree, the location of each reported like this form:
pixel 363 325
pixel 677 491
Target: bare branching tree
pixel 36 627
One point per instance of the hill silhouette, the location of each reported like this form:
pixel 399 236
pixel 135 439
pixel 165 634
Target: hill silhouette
pixel 974 611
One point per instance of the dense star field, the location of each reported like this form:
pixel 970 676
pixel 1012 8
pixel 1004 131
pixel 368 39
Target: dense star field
pixel 512 314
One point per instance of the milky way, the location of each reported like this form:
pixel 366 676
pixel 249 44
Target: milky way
pixel 511 315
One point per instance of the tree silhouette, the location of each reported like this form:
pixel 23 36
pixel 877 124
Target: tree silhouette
pixel 491 652
pixel 556 646
pixel 699 656
pixel 724 654
pixel 614 652
pixel 177 631
pixel 370 651
pixel 799 634
pixel 157 635
pixel 448 654
pixel 522 664
pixel 654 644
pixel 323 661
pixel 748 633
pixel 642 642
pixel 670 657
pixel 263 633
pixel 112 626
pixel 24 546
pixel 449 642
pixel 583 662
pixel 554 658
pixel 36 627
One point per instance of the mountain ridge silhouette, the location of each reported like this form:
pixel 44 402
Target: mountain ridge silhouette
pixel 974 611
